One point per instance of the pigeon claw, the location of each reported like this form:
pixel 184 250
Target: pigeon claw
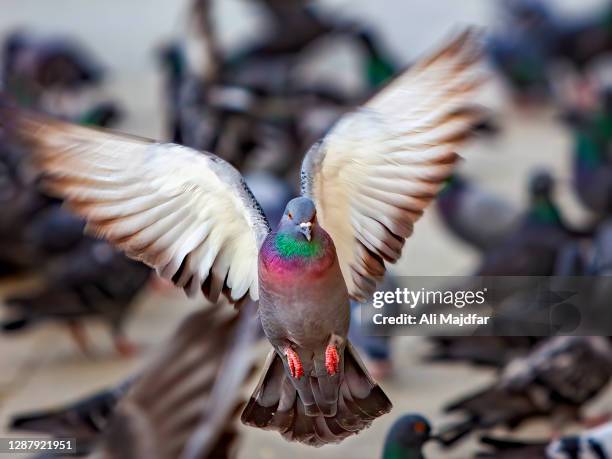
pixel 295 364
pixel 332 360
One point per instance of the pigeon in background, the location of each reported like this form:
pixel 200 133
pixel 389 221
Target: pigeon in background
pixel 83 420
pixel 535 38
pixel 407 437
pixel 464 207
pixel 48 73
pixel 49 62
pixel 532 249
pixel 153 201
pixel 554 381
pixel 91 280
pixel 184 403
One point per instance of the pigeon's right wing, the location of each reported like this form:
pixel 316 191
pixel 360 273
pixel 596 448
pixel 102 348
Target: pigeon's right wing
pixel 186 213
pixel 377 170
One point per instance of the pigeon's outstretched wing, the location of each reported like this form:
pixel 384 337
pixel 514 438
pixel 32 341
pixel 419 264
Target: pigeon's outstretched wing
pixel 373 175
pixel 187 214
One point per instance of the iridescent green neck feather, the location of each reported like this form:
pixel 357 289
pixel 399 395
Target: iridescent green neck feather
pixel 290 247
pixel 396 451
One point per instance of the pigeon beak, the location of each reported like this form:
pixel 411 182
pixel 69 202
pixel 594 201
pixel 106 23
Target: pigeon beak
pixel 305 229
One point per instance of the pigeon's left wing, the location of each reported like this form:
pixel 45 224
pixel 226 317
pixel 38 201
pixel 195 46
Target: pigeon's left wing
pixel 373 175
pixel 188 214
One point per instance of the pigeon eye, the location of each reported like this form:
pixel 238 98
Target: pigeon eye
pixel 290 216
pixel 420 427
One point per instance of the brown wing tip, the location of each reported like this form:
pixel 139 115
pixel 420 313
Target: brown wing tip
pixel 467 46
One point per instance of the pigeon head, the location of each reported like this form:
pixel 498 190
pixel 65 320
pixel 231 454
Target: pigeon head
pixel 299 218
pixel 410 432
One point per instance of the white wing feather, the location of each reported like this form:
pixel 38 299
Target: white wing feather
pixel 376 171
pixel 187 214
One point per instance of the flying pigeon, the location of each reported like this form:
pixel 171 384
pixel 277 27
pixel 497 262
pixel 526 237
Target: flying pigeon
pixel 554 381
pixel 190 215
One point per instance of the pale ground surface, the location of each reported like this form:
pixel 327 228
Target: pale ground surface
pixel 42 367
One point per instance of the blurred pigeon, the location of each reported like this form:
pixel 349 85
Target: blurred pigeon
pixel 521 48
pixel 463 207
pixel 532 249
pixel 406 438
pixel 154 202
pixel 91 280
pixel 48 63
pixel 535 38
pixel 194 382
pixel 554 381
pixel 83 420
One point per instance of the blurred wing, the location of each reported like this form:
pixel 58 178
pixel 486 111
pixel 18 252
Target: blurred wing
pixel 373 175
pixel 187 214
pixel 176 401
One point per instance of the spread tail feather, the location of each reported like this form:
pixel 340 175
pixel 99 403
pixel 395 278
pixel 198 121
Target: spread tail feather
pixel 276 405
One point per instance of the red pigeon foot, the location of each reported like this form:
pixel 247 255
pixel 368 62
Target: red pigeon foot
pixel 332 360
pixel 295 364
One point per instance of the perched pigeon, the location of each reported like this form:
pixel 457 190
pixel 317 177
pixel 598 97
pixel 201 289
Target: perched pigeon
pixel 183 404
pixel 554 381
pixel 91 280
pixel 406 438
pixel 191 216
pixel 48 63
pixel 83 420
pixel 532 249
pixel 464 207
